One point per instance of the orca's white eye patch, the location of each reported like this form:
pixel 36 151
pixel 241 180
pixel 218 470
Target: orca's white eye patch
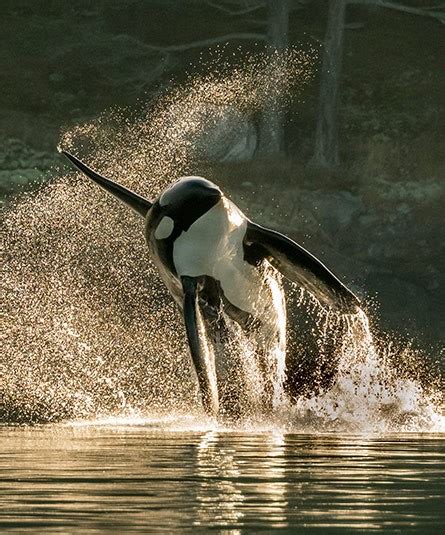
pixel 165 228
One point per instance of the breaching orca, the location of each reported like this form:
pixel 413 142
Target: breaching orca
pixel 208 254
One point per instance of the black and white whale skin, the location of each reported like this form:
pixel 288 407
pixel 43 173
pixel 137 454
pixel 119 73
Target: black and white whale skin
pixel 209 256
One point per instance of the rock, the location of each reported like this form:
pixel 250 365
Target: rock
pixel 354 26
pixel 335 210
pixel 228 135
pixel 20 177
pixel 56 78
pixel 404 305
pixel 407 192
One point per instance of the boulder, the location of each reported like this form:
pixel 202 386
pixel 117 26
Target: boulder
pixel 334 210
pixel 227 135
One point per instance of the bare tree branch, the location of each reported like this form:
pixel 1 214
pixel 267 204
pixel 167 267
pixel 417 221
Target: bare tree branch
pixel 294 5
pixel 398 7
pixel 196 44
pixel 212 41
pixel 232 12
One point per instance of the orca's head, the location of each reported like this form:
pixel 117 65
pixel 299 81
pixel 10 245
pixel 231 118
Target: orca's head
pixel 190 189
pixel 186 200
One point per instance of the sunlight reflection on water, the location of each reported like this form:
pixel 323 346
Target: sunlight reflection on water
pixel 177 477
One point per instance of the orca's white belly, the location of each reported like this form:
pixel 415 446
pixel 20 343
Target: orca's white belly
pixel 213 246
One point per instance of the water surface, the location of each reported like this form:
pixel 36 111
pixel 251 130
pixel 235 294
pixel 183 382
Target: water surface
pixel 147 477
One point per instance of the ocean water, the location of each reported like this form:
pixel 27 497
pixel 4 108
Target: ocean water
pixel 182 474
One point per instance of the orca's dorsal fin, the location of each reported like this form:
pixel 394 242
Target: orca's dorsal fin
pixel 300 266
pixel 132 199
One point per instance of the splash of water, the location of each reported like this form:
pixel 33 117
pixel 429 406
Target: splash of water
pixel 368 393
pixel 90 330
pixel 251 362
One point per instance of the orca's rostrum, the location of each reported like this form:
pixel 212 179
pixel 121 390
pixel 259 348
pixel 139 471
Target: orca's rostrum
pixel 209 256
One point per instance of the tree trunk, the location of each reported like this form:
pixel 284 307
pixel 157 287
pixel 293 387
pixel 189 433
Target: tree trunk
pixel 272 120
pixel 326 136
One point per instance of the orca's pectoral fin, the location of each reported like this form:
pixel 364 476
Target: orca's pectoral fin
pixel 209 399
pixel 300 266
pixel 130 198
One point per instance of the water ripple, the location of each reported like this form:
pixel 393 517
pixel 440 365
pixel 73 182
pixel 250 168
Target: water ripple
pixel 137 478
